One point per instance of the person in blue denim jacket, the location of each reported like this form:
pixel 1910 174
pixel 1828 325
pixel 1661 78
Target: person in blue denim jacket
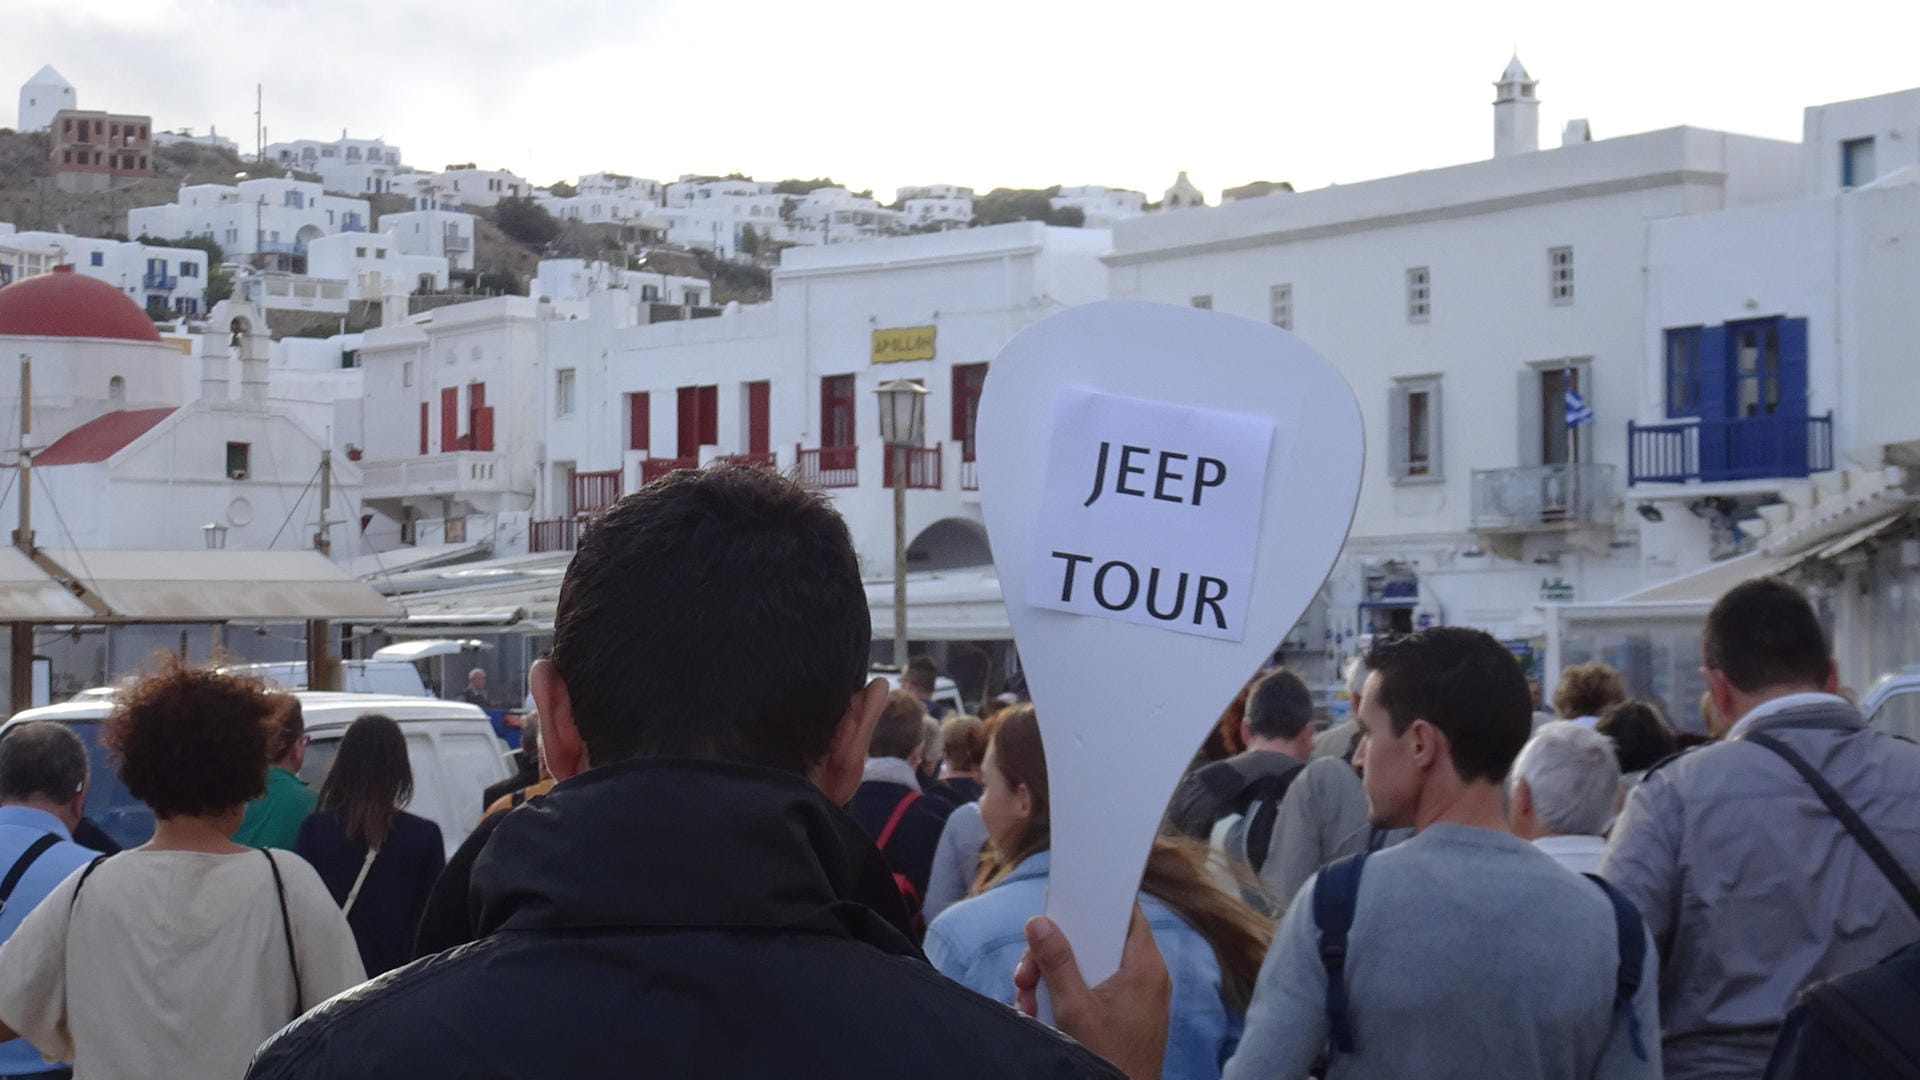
pixel 1213 943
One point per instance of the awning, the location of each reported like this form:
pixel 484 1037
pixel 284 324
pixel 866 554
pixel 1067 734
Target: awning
pixel 382 564
pixel 27 594
pixel 945 605
pixel 219 585
pixel 1857 537
pixel 1690 595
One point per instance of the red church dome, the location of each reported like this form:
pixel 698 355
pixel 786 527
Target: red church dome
pixel 66 304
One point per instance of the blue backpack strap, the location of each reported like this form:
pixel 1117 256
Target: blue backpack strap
pixel 1632 935
pixel 1336 892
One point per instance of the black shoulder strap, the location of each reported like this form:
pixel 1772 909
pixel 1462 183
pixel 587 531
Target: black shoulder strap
pixel 19 870
pixel 1871 1013
pixel 1264 810
pixel 1221 780
pixel 1631 933
pixel 84 875
pixel 1336 892
pixel 286 928
pixel 1849 818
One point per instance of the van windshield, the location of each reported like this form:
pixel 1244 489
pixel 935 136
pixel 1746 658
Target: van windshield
pixel 110 805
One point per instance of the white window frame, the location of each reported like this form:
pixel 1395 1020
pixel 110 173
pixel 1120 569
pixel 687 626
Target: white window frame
pixel 1280 306
pixel 1400 464
pixel 1560 275
pixel 1419 294
pixel 564 384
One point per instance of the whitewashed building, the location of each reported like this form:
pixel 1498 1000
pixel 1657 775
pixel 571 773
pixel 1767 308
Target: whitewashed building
pixel 164 281
pixel 268 222
pixel 345 166
pixel 572 285
pixel 442 234
pixel 1102 207
pixel 43 95
pixel 937 206
pixel 605 198
pixel 455 188
pixel 714 215
pixel 373 266
pixel 185 136
pixel 1462 304
pixel 834 215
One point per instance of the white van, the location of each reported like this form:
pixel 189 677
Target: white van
pixel 451 745
pixel 394 678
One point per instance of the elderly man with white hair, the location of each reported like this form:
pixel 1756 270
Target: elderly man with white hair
pixel 1343 738
pixel 1564 791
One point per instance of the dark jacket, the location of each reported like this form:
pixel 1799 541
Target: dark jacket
pixel 395 891
pixel 526 773
pixel 675 918
pixel 909 850
pixel 1214 791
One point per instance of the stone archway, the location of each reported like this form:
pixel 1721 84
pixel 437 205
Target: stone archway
pixel 948 544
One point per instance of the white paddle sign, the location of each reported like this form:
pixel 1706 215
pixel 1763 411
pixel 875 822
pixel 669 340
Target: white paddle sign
pixel 1165 490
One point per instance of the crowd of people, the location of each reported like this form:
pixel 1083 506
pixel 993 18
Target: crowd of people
pixel 733 853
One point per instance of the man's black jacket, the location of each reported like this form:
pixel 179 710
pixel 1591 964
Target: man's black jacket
pixel 675 919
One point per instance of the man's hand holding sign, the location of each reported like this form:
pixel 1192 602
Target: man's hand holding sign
pixel 1166 490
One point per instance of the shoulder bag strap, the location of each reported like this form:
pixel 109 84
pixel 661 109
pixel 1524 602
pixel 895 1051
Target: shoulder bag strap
pixel 1631 933
pixel 359 879
pixel 899 811
pixel 286 928
pixel 34 851
pixel 1336 893
pixel 1849 818
pixel 78 885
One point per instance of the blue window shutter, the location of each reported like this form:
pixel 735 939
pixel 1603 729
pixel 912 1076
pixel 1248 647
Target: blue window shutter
pixel 1794 428
pixel 1716 390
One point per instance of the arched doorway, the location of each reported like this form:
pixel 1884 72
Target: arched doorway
pixel 948 544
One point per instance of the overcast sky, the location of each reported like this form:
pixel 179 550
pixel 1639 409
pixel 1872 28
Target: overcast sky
pixel 991 93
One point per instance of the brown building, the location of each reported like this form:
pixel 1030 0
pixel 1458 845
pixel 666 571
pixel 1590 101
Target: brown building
pixel 92 148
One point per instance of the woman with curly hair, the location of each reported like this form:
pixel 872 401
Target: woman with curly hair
pixel 179 957
pixel 1587 690
pixel 379 861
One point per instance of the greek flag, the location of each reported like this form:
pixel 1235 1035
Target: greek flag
pixel 1577 411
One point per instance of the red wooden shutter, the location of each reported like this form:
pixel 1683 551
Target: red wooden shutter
pixel 449 419
pixel 483 428
pixel 836 411
pixel 476 405
pixel 758 397
pixel 424 410
pixel 688 437
pixel 709 416
pixel 639 422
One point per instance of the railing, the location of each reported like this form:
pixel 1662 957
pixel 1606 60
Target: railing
pixel 454 243
pixel 828 466
pixel 352 223
pixel 753 461
pixel 1743 448
pixel 923 467
pixel 595 491
pixel 656 467
pixel 160 282
pixel 1542 496
pixel 555 534
pixel 969 474
pixel 283 247
pixel 456 473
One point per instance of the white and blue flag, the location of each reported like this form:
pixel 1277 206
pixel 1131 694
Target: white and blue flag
pixel 1577 410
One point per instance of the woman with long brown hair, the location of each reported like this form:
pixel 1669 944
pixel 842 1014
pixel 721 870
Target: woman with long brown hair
pixel 377 860
pixel 1212 942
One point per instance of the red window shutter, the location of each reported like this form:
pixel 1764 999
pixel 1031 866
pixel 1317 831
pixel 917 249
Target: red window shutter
pixel 449 419
pixel 483 428
pixel 837 426
pixel 476 404
pixel 709 416
pixel 639 422
pixel 759 395
pixel 424 410
pixel 968 380
pixel 688 437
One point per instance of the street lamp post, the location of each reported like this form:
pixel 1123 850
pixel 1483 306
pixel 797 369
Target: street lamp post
pixel 903 423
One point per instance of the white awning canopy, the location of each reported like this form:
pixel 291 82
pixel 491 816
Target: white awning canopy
pixel 1689 595
pixel 28 594
pixel 219 585
pixel 945 605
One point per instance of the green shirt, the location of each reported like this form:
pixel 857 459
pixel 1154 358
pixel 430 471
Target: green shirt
pixel 273 820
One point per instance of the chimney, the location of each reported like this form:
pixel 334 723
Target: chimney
pixel 1577 131
pixel 1516 112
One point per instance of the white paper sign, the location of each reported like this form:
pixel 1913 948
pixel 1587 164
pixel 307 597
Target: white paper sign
pixel 1123 696
pixel 1151 513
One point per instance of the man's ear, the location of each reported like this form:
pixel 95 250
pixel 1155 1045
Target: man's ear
pixel 1721 689
pixel 1521 807
pixel 78 807
pixel 1832 685
pixel 560 743
pixel 838 773
pixel 1429 745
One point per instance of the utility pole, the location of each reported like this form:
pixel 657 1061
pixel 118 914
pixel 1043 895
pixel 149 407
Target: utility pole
pixel 20 668
pixel 259 131
pixel 323 672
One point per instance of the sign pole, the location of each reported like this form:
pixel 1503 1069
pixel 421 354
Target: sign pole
pixel 899 452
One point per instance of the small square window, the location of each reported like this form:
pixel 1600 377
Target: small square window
pixel 238 455
pixel 1856 162
pixel 1419 294
pixel 1560 275
pixel 96 259
pixel 1204 303
pixel 1280 305
pixel 1414 418
pixel 563 392
pixel 406 373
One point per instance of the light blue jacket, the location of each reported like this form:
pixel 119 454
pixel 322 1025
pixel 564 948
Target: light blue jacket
pixel 977 942
pixel 20 826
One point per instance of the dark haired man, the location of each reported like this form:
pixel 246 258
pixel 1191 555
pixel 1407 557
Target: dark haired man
pixel 1750 883
pixel 1465 947
pixel 920 679
pixel 904 821
pixel 43 785
pixel 690 898
pixel 273 820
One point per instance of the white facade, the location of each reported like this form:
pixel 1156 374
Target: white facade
pixel 42 96
pixel 835 215
pixel 270 217
pixel 373 266
pixel 713 214
pixel 212 138
pixel 469 187
pixel 1102 206
pixel 936 206
pixel 1456 302
pixel 608 198
pixel 572 285
pixel 162 280
pixel 444 234
pixel 345 166
pixel 1852 143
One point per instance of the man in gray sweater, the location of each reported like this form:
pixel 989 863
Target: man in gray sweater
pixel 1750 884
pixel 1471 952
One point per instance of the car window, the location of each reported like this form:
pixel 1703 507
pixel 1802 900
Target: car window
pixel 109 804
pixel 1899 715
pixel 319 759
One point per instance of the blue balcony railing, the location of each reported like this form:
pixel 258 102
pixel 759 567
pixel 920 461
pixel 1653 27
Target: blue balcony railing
pixel 283 247
pixel 160 282
pixel 1742 448
pixel 352 223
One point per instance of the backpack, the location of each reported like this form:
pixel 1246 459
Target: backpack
pixel 1336 892
pixel 908 894
pixel 1257 802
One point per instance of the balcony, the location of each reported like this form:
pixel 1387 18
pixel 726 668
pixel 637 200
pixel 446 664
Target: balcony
pixel 352 223
pixel 1568 497
pixel 595 491
pixel 159 282
pixel 1743 448
pixel 767 460
pixel 555 534
pixel 656 467
pixel 828 466
pixel 455 244
pixel 969 473
pixel 283 247
pixel 461 473
pixel 923 467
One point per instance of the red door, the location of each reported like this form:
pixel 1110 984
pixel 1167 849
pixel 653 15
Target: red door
pixel 968 379
pixel 449 419
pixel 758 396
pixel 639 422
pixel 425 409
pixel 688 408
pixel 709 416
pixel 836 411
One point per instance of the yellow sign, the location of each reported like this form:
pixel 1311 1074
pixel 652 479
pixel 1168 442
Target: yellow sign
pixel 903 343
